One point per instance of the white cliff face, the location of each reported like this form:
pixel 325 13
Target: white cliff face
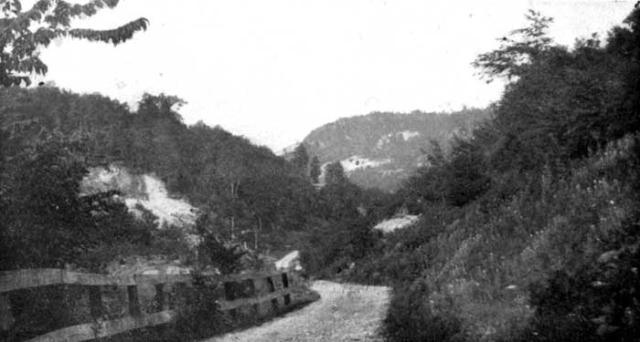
pixel 145 190
pixel 170 211
pixel 406 135
pixel 357 162
pixel 390 225
pixel 403 135
pixel 351 164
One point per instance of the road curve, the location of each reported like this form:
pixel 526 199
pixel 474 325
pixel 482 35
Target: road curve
pixel 345 312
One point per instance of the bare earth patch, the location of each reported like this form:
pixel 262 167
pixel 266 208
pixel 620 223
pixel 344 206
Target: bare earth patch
pixel 345 312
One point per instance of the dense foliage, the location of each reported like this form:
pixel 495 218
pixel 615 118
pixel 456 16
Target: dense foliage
pixel 46 223
pixel 529 228
pixel 251 203
pixel 246 194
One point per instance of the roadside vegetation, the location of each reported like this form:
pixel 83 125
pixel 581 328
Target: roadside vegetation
pixel 529 228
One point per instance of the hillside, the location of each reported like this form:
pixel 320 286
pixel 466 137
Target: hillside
pixel 382 149
pixel 142 170
pixel 153 160
pixel 529 228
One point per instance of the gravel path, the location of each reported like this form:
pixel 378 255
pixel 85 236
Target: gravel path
pixel 345 312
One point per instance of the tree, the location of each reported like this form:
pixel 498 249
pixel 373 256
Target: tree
pixel 561 104
pixel 225 256
pixel 23 32
pixel 158 129
pixel 624 41
pixel 518 50
pixel 48 222
pixel 428 182
pixel 464 180
pixel 334 174
pixel 300 159
pixel 314 170
pixel 456 179
pixel 339 199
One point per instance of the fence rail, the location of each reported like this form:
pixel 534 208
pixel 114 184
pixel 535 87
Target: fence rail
pixel 136 319
pixel 90 331
pixel 29 278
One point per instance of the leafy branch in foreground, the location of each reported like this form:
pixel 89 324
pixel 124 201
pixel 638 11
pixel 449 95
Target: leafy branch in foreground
pixel 516 51
pixel 22 33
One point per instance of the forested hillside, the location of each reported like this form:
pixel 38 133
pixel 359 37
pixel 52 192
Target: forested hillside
pixel 244 194
pixel 380 150
pixel 529 227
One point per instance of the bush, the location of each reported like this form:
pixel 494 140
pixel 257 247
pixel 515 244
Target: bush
pixel 410 318
pixel 599 302
pixel 37 311
pixel 547 237
pixel 200 316
pixel 48 222
pixel 224 256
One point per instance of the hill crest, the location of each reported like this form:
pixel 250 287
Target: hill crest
pixel 381 149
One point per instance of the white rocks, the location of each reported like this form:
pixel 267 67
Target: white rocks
pixel 289 261
pixel 400 222
pixel 357 162
pixel 145 190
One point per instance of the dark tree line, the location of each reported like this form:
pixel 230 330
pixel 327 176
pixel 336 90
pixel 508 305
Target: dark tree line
pixel 246 194
pixel 542 197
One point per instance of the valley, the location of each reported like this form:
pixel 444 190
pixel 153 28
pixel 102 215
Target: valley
pixel 517 222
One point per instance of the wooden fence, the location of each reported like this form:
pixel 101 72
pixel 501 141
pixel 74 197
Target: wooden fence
pixel 136 318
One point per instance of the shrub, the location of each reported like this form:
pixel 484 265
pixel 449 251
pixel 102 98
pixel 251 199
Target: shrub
pixel 599 302
pixel 37 311
pixel 200 316
pixel 226 257
pixel 410 317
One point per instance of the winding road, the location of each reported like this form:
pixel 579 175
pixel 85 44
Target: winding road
pixel 345 312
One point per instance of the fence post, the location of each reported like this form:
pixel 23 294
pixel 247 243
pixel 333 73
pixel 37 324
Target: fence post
pixel 272 288
pixel 229 293
pixel 179 297
pixel 252 288
pixel 285 284
pixel 95 302
pixel 254 293
pixel 6 318
pixel 161 298
pixel 134 304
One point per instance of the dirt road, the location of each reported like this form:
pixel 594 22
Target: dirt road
pixel 344 313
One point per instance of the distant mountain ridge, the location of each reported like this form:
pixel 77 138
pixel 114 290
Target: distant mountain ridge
pixel 381 149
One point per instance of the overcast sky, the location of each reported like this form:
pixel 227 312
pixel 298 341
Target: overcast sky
pixel 274 70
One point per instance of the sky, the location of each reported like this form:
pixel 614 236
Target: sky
pixel 274 70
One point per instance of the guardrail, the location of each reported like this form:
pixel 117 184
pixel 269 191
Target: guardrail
pixel 275 284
